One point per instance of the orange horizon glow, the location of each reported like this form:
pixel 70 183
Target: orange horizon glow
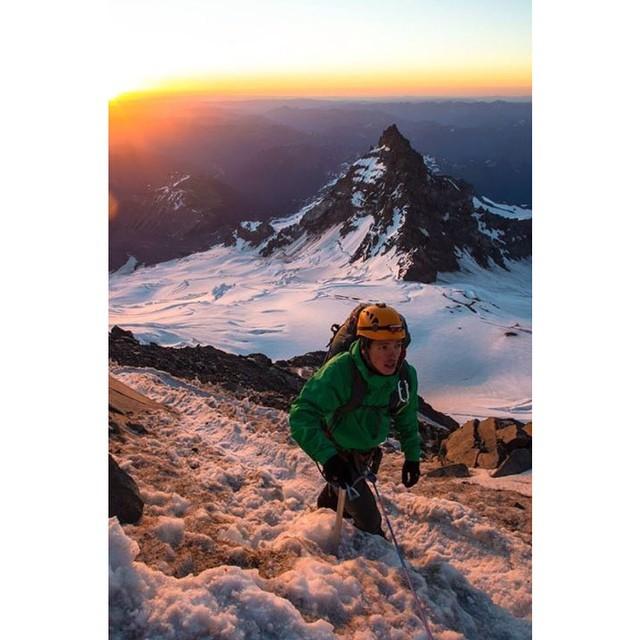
pixel 334 49
pixel 382 84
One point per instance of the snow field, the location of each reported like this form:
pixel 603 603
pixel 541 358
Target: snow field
pixel 283 306
pixel 472 576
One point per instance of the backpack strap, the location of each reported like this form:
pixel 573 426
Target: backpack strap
pixel 398 400
pixel 358 392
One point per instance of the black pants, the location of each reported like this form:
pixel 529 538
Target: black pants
pixel 362 509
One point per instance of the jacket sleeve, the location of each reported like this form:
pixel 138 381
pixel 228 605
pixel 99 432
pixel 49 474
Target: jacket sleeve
pixel 406 422
pixel 324 392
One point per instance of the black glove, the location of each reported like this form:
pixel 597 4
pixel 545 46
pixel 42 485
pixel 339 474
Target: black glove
pixel 410 472
pixel 337 471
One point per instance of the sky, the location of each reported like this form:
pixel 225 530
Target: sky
pixel 348 48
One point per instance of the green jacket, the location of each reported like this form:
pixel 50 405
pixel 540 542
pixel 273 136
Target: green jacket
pixel 361 429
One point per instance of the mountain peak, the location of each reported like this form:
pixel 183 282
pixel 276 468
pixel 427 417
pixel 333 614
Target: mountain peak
pixel 392 138
pixel 388 202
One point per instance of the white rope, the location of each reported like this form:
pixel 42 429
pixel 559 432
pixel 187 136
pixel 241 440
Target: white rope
pixel 421 613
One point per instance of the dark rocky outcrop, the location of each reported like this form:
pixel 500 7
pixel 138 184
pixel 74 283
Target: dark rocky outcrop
pixel 488 443
pixel 124 498
pixel 430 219
pixel 273 384
pixel 313 359
pixel 176 217
pixel 436 416
pixel 450 471
pixel 518 461
pixel 248 376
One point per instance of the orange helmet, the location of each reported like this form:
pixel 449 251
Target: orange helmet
pixel 380 322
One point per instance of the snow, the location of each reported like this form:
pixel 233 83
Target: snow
pixel 352 241
pixel 250 225
pixel 504 210
pixel 494 234
pixel 180 180
pixel 520 483
pixel 472 575
pixel 453 184
pixel 238 301
pixel 168 195
pixel 431 163
pixel 387 235
pixel 170 530
pixel 357 199
pixel 128 267
pixel 369 169
pixel 223 602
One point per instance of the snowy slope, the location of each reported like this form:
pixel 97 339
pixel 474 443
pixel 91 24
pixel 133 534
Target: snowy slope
pixel 235 487
pixel 504 210
pixel 237 300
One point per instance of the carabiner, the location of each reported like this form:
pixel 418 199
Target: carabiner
pixel 403 391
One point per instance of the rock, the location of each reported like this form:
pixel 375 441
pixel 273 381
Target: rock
pixel 124 498
pixel 518 462
pixel 120 334
pixel 487 443
pixel 450 471
pixel 486 433
pixel 136 427
pixel 253 375
pixel 460 446
pixel 260 358
pixel 114 428
pixel 513 436
pixel 440 215
pixel 436 416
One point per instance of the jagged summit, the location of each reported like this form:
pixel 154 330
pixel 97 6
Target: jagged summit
pixel 400 209
pixel 392 138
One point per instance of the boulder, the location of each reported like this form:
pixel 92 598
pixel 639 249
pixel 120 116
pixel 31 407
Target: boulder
pixel 517 462
pixel 489 457
pixel 124 498
pixel 450 471
pixel 473 444
pixel 486 443
pixel 460 446
pixel 513 436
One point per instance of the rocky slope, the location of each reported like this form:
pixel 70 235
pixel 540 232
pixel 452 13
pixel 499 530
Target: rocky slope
pixel 427 220
pixel 170 220
pixel 230 542
pixel 254 377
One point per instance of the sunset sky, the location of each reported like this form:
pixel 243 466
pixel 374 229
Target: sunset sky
pixel 348 48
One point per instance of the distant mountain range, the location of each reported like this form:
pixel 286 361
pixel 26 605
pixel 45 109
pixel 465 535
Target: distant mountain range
pixel 255 160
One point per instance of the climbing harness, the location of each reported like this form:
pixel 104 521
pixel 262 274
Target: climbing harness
pixel 421 614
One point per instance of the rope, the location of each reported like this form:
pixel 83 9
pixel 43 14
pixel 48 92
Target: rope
pixel 371 477
pixel 421 613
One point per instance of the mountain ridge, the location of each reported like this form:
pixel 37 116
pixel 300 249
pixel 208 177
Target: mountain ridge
pixel 429 218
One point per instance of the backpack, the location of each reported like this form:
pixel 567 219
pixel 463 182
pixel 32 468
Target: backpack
pixel 344 335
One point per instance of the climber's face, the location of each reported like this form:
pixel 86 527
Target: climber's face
pixel 384 355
